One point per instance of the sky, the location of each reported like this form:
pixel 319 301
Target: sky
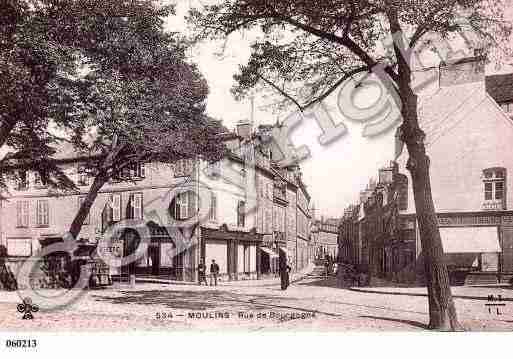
pixel 334 174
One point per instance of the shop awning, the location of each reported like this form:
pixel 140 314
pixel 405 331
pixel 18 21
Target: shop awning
pixel 470 240
pixel 270 252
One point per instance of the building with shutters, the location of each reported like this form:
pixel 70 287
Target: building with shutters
pixel 241 212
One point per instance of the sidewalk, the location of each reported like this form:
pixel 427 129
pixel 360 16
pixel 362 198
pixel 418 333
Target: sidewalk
pixel 294 277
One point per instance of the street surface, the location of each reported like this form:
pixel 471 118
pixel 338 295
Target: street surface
pixel 312 303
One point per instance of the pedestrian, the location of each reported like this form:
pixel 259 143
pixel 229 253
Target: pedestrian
pixel 214 272
pixel 284 272
pixel 202 273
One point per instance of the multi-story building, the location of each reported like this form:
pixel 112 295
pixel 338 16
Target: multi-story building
pixel 325 236
pixel 240 212
pixel 468 128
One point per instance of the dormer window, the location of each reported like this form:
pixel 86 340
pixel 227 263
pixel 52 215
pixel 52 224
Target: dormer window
pixel 83 177
pixel 494 183
pixel 22 181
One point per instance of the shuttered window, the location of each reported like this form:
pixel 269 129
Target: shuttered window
pixel 116 207
pixel 134 206
pixel 42 213
pixel 22 214
pixel 213 207
pixel 183 206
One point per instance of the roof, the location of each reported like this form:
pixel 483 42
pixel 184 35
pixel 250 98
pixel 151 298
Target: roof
pixel 500 87
pixel 442 110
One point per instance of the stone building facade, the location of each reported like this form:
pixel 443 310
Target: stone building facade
pixel 467 136
pixel 241 212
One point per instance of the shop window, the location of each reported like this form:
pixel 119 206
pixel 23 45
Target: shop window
pixel 247 259
pixel 494 186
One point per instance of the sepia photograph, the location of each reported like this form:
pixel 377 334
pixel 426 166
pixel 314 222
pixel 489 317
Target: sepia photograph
pixel 255 166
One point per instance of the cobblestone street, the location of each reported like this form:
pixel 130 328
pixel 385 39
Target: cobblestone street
pixel 313 303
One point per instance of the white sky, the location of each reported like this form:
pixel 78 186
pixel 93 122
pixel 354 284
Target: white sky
pixel 334 174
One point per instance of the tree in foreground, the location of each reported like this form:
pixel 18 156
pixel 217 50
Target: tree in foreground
pixel 308 48
pixel 44 47
pixel 146 107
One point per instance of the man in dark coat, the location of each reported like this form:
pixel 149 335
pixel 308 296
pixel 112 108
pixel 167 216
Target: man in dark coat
pixel 284 271
pixel 202 273
pixel 214 272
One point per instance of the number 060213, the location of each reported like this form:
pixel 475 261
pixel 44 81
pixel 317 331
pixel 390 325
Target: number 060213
pixel 21 343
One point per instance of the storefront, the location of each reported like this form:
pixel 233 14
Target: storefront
pixel 478 246
pixel 238 253
pixel 269 256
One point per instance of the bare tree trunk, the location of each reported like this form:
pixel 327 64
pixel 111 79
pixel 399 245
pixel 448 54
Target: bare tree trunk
pixel 442 312
pixel 85 208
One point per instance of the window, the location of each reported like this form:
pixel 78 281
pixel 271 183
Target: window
pixel 183 168
pixel 115 203
pixel 80 201
pixel 402 192
pixel 494 180
pixel 213 207
pixel 247 257
pixel 19 247
pixel 22 214
pixel 488 191
pixel 134 206
pixel 135 171
pixel 83 178
pixel 241 212
pixel 38 181
pixel 42 213
pixel 183 206
pixel 22 181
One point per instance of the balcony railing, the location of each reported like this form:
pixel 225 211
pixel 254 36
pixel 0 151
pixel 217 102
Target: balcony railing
pixel 494 205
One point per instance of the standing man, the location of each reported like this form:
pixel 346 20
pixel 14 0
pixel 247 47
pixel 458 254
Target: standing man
pixel 284 271
pixel 202 273
pixel 214 272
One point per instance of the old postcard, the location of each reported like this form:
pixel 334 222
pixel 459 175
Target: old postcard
pixel 250 165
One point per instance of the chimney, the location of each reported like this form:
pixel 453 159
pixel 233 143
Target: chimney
pixel 244 129
pixel 386 175
pixel 463 71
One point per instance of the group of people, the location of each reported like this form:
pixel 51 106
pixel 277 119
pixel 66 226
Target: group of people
pixel 214 273
pixel 202 273
pixel 328 265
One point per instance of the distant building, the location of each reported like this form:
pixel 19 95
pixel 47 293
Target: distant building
pixel 325 233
